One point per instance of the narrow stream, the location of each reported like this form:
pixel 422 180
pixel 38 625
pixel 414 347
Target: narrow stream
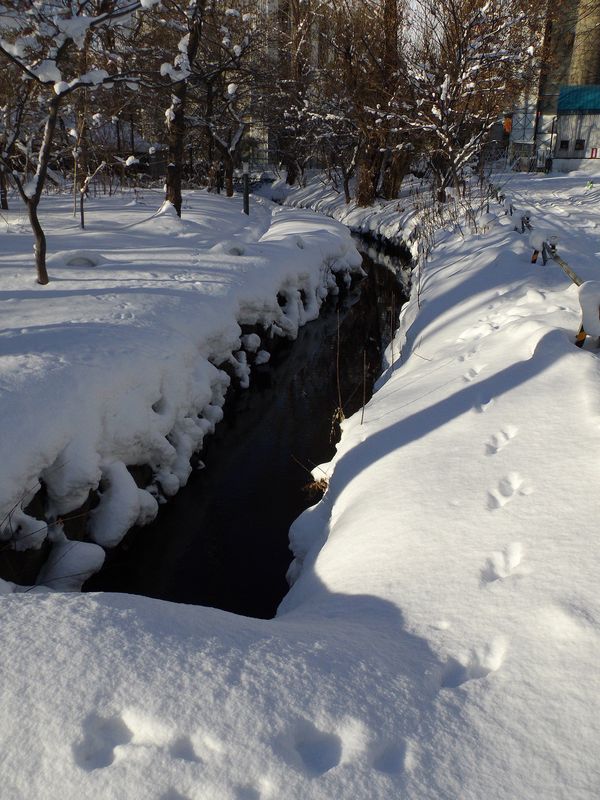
pixel 222 541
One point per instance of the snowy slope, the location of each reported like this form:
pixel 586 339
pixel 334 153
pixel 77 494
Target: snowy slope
pixel 473 475
pixel 442 636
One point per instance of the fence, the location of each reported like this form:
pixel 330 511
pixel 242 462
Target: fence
pixel 547 248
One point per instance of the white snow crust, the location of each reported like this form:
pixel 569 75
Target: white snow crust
pixel 120 356
pixel 442 635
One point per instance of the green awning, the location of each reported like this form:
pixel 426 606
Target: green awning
pixel 579 99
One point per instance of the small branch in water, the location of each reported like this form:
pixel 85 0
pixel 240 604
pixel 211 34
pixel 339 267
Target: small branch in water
pixel 340 409
pixel 316 485
pixel 364 402
pixel 314 466
pixel 393 313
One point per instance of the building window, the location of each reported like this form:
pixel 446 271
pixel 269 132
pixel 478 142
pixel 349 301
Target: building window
pixel 564 144
pixel 579 144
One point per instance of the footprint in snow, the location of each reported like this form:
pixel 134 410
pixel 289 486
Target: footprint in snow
pixel 480 662
pixel 499 440
pixel 101 736
pixel 473 373
pixel 469 355
pixel 184 749
pixel 504 564
pixel 478 331
pixel 318 751
pixel 483 404
pixel 508 487
pixel 392 758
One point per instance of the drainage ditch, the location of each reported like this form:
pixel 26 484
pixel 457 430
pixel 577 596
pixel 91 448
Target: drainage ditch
pixel 222 541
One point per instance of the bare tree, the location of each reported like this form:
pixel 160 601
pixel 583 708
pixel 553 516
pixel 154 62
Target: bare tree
pixel 40 40
pixel 467 64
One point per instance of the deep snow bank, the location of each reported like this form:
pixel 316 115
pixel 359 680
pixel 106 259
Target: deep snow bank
pixel 391 221
pixel 119 360
pixel 465 500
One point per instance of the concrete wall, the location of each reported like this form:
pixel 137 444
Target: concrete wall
pixel 585 60
pixel 573 127
pixel 559 37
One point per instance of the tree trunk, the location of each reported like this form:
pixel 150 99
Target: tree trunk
pixel 228 162
pixel 33 200
pixel 365 185
pixel 376 169
pixel 3 190
pixel 394 174
pixel 291 168
pixel 176 126
pixel 39 247
pixel 175 139
pixel 346 181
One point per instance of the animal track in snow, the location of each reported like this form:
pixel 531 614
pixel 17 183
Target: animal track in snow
pixel 476 332
pixel 504 564
pixel 499 440
pixel 469 355
pixel 473 372
pixel 508 487
pixel 480 662
pixel 316 751
pixel 101 736
pixel 483 405
pixel 319 751
pixel 392 758
pixel 183 748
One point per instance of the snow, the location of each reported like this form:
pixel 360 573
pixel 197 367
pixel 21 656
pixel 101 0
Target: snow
pixel 94 77
pixel 122 505
pixel 24 532
pixel 589 298
pixel 392 220
pixel 69 564
pixel 149 290
pixel 60 87
pixel 74 28
pixel 47 71
pixel 17 48
pixel 442 634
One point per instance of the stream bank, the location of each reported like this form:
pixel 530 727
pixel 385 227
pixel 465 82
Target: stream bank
pixel 223 540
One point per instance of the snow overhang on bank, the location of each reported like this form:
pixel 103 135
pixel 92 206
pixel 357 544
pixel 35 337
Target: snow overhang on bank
pixel 125 358
pixel 389 222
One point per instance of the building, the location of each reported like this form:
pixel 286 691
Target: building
pixel 577 134
pixel 560 117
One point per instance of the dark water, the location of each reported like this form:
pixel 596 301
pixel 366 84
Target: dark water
pixel 223 540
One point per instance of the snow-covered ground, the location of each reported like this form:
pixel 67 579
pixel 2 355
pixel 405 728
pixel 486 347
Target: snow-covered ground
pixel 442 636
pixel 390 220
